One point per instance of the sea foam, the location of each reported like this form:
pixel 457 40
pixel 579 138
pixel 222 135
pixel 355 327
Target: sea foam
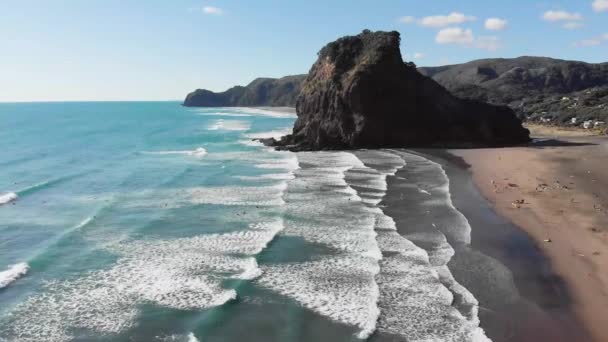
pixel 199 152
pixel 229 125
pixel 324 210
pixel 270 134
pixel 8 197
pixel 275 113
pixel 13 273
pixel 183 274
pixel 417 290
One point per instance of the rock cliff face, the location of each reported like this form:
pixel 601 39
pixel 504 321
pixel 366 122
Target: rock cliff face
pixel 260 92
pixel 537 88
pixel 360 93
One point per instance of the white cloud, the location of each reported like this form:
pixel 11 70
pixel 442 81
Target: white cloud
pixel 465 37
pixel 445 20
pixel 588 42
pixel 212 10
pixel 454 35
pixel 407 19
pixel 495 24
pixel 419 55
pixel 562 16
pixel 572 25
pixel 600 5
pixel 416 55
pixel 490 43
pixel 599 40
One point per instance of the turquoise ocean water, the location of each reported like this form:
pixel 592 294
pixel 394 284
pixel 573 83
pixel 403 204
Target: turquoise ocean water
pixel 149 221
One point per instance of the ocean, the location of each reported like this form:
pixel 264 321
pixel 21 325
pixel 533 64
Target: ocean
pixel 149 221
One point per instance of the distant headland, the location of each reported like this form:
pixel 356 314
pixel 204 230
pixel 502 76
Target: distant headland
pixel 538 89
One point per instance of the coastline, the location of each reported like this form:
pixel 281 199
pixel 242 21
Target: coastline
pixel 520 297
pixel 553 191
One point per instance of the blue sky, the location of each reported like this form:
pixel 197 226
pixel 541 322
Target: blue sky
pixel 160 50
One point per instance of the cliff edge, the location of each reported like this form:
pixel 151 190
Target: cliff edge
pixel 360 94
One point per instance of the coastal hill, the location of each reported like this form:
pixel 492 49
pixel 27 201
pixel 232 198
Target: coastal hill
pixel 359 93
pixel 260 92
pixel 537 88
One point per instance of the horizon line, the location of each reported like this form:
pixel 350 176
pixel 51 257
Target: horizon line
pixel 77 101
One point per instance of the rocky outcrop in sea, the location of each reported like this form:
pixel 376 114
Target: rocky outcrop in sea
pixel 360 94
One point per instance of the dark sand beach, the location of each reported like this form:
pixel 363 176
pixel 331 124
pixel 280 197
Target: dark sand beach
pixel 545 218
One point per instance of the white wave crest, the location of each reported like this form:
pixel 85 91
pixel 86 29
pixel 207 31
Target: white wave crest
pixel 199 152
pixel 183 274
pixel 270 134
pixel 417 290
pixel 192 338
pixel 269 176
pixel 229 125
pixel 290 163
pixel 276 112
pixel 327 211
pixel 13 273
pixel 225 114
pixel 341 288
pixel 258 195
pixel 8 197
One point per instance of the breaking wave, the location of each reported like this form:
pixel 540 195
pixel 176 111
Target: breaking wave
pixel 420 299
pixel 270 134
pixel 375 279
pixel 8 197
pixel 229 125
pixel 276 112
pixel 225 114
pixel 183 274
pixel 199 152
pixel 13 273
pixel 327 211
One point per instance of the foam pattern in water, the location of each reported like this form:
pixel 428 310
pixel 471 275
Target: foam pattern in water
pixel 13 273
pixel 184 274
pixel 8 197
pixel 229 125
pixel 322 208
pixel 416 296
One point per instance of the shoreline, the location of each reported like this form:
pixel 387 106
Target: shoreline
pixel 520 296
pixel 554 192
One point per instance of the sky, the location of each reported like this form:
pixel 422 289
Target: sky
pixel 80 50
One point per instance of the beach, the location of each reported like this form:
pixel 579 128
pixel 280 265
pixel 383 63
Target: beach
pixel 555 191
pixel 182 227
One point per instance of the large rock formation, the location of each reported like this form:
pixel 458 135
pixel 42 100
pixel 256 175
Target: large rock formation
pixel 535 87
pixel 260 92
pixel 360 93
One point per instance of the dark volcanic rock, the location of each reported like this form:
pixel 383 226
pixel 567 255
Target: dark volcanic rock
pixel 535 87
pixel 260 92
pixel 360 93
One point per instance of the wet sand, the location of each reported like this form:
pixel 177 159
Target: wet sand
pixel 556 192
pixel 520 297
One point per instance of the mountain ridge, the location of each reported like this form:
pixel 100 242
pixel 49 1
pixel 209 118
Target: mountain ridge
pixel 262 91
pixel 538 89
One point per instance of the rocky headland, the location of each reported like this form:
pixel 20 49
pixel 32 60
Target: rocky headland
pixel 261 92
pixel 539 89
pixel 360 94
